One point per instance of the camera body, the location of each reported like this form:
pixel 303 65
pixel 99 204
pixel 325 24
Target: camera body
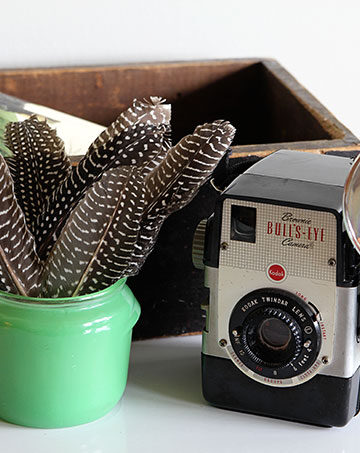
pixel 281 336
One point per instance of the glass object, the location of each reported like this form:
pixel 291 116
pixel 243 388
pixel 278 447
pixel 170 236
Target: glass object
pixel 64 362
pixel 351 204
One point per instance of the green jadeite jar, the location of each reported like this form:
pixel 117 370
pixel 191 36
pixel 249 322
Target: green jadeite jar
pixel 64 362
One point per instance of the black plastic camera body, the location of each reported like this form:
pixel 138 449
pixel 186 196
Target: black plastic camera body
pixel 281 336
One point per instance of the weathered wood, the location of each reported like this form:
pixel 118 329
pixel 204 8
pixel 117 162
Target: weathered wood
pixel 264 102
pixel 99 93
pixel 321 114
pixel 314 146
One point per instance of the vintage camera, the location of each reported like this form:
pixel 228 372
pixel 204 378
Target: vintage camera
pixel 282 325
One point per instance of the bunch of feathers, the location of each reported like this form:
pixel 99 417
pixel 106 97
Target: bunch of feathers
pixel 72 230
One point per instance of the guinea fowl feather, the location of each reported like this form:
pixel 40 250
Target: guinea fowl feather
pixel 38 166
pixel 135 145
pixel 174 183
pixel 153 111
pixel 99 221
pixel 19 264
pixel 99 237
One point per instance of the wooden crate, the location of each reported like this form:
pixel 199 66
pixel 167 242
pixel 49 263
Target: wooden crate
pixel 269 108
pixel 263 101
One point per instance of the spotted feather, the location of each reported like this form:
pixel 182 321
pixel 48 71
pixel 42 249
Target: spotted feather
pixel 174 183
pixel 135 145
pixel 93 248
pixel 153 111
pixel 38 166
pixel 19 264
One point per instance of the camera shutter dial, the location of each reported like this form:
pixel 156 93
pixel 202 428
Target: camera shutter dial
pixel 272 337
pixel 275 334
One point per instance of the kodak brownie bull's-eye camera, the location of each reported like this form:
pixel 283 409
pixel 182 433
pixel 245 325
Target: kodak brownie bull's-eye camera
pixel 281 335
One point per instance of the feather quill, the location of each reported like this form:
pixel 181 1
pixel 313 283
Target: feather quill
pixel 38 166
pixel 135 145
pixel 174 183
pixel 98 239
pixel 19 264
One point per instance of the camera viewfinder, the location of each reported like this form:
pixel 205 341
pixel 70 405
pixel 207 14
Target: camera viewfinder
pixel 243 224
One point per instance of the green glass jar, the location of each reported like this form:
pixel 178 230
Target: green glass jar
pixel 64 362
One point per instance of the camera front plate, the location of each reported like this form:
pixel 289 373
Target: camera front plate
pixel 225 293
pixel 290 249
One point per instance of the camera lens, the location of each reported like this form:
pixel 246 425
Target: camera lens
pixel 271 337
pixel 270 332
pixel 274 334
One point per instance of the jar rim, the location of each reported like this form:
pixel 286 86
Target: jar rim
pixel 19 299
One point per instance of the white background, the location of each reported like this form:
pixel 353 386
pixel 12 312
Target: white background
pixel 318 41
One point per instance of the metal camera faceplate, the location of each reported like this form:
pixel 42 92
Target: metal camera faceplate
pixel 293 250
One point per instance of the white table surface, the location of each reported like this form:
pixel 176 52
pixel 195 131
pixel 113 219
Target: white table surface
pixel 163 410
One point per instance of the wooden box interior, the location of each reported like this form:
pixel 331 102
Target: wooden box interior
pixel 265 103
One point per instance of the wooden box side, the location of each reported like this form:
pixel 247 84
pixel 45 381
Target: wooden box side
pixel 289 99
pixel 99 93
pixel 269 108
